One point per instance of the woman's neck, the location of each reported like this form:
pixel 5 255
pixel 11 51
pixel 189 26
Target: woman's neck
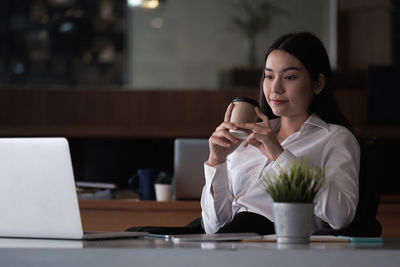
pixel 290 125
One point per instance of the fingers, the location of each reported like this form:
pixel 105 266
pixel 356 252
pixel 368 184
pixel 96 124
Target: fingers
pixel 228 112
pixel 263 127
pixel 252 140
pixel 269 146
pixel 220 142
pixel 245 143
pixel 226 126
pixel 222 137
pixel 250 126
pixel 263 117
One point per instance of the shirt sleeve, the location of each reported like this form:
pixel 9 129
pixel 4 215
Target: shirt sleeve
pixel 283 162
pixel 216 198
pixel 337 200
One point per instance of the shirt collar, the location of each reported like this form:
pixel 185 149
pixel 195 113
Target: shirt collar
pixel 313 120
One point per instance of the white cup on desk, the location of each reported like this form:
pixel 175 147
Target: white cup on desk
pixel 163 192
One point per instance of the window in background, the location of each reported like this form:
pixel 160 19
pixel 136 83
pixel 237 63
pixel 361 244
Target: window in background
pixel 62 42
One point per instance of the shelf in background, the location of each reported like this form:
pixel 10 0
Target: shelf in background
pixel 118 215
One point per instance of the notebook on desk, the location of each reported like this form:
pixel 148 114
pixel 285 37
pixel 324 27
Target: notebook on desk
pixel 37 191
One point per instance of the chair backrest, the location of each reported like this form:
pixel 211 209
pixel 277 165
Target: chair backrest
pixel 364 222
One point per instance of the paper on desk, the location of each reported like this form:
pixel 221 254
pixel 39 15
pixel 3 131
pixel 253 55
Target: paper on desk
pixel 214 237
pixel 313 238
pixel 327 238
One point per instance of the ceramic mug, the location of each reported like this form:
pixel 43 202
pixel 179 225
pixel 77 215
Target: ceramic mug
pixel 143 183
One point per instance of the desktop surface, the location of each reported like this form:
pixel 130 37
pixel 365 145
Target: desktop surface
pixel 160 252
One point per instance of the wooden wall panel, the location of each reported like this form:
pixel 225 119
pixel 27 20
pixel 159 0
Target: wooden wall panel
pixel 145 113
pixel 114 113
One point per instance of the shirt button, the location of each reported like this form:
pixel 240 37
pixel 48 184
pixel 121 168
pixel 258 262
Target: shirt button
pixel 211 171
pixel 277 167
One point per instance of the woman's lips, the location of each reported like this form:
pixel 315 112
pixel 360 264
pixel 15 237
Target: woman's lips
pixel 278 102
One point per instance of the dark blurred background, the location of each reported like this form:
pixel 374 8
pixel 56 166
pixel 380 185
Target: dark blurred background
pixel 111 75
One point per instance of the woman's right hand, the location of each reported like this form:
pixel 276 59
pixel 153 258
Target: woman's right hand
pixel 221 142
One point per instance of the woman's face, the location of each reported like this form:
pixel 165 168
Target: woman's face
pixel 287 85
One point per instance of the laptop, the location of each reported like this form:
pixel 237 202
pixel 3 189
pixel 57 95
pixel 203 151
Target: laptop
pixel 38 197
pixel 189 157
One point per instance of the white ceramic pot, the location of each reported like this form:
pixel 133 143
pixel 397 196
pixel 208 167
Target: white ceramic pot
pixel 293 222
pixel 163 192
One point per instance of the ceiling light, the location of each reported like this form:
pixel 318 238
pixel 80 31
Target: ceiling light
pixel 150 4
pixel 134 3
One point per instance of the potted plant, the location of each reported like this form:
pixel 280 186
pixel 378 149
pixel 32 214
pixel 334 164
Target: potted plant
pixel 293 193
pixel 163 187
pixel 252 18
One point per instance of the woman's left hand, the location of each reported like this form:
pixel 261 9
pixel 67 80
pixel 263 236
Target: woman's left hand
pixel 262 136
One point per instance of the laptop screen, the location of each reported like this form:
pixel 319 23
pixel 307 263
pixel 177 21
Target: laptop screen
pixel 189 158
pixel 37 189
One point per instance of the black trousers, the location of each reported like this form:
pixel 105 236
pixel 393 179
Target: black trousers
pixel 243 222
pixel 248 222
pixel 192 228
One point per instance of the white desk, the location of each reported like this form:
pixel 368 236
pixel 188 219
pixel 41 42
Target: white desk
pixel 143 252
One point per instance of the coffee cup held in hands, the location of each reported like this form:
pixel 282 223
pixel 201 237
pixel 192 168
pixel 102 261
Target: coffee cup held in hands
pixel 243 112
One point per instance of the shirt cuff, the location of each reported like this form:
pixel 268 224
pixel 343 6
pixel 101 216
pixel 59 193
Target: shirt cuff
pixel 284 161
pixel 212 173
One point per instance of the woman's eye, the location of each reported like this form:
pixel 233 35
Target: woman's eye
pixel 266 76
pixel 290 77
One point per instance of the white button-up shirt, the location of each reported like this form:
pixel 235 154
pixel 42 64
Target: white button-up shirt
pixel 237 186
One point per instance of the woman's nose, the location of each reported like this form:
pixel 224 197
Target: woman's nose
pixel 277 87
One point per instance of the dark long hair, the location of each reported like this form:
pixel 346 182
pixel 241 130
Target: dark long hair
pixel 310 51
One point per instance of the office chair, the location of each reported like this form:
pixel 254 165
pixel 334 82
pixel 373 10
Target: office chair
pixel 364 223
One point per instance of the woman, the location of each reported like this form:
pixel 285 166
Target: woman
pixel 295 91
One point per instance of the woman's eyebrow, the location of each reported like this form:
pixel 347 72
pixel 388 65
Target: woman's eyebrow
pixel 284 70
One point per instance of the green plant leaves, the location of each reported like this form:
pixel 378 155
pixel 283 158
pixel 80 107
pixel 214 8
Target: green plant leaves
pixel 163 178
pixel 300 184
pixel 254 16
